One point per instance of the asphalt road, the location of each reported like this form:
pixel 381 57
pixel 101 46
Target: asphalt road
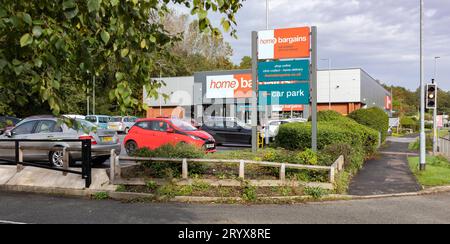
pixel 26 208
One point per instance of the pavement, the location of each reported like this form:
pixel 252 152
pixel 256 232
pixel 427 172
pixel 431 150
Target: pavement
pixel 41 209
pixel 389 173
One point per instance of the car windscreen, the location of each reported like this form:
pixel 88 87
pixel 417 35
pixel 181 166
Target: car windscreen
pixel 91 119
pixel 116 119
pixel 184 126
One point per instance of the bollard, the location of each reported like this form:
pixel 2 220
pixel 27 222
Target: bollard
pixel 112 173
pixel 65 160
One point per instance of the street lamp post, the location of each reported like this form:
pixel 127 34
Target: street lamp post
pixel 435 129
pixel 422 97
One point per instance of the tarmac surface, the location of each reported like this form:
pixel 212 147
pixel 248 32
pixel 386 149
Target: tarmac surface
pixel 389 173
pixel 18 208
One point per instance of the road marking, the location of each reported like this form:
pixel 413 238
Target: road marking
pixel 11 222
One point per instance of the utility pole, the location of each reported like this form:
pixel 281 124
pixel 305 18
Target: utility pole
pixel 423 156
pixel 435 129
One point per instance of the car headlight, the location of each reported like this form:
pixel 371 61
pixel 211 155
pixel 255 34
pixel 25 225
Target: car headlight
pixel 195 137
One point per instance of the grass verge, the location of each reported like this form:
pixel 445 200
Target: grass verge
pixel 437 172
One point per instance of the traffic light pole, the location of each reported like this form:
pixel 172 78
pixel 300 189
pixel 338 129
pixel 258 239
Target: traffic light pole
pixel 435 134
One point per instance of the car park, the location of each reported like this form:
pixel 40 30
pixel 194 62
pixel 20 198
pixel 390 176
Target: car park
pixel 121 124
pixel 155 132
pixel 228 131
pixel 7 123
pixel 51 128
pixel 101 121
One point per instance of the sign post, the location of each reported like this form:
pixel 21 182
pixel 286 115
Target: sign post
pixel 296 48
pixel 254 99
pixel 314 88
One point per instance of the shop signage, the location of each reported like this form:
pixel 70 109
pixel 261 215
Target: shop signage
pixel 295 70
pixel 284 94
pixel 284 43
pixel 229 86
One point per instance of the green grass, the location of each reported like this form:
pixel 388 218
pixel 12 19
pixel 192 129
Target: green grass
pixel 443 132
pixel 437 172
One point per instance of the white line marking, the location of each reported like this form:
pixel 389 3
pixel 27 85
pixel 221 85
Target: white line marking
pixel 11 222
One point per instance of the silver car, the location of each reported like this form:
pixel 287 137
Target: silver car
pixel 121 124
pixel 51 128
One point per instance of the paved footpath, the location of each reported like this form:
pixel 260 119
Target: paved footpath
pixel 387 174
pixel 28 208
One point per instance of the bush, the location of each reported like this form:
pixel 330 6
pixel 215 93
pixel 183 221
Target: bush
pixel 308 157
pixel 315 192
pixel 171 170
pixel 374 118
pixel 297 136
pixel 415 146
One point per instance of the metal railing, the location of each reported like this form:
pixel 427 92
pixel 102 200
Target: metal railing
pixel 19 151
pixel 335 168
pixel 444 147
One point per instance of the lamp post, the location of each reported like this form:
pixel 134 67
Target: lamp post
pixel 435 129
pixel 422 97
pixel 329 81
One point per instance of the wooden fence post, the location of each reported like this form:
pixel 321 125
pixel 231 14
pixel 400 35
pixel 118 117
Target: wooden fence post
pixel 283 172
pixel 20 166
pixel 184 169
pixel 242 169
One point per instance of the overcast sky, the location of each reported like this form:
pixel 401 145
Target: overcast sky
pixel 380 36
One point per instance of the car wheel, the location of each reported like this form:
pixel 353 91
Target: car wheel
pixel 100 160
pixel 56 158
pixel 131 147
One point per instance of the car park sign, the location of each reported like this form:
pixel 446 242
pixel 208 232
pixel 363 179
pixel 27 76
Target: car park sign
pixel 284 43
pixel 284 94
pixel 294 70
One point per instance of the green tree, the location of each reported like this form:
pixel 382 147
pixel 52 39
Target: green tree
pixel 246 63
pixel 47 43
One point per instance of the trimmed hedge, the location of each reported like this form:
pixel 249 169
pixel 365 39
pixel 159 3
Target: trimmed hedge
pixel 333 128
pixel 374 118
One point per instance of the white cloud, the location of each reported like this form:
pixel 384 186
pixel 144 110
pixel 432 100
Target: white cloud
pixel 380 36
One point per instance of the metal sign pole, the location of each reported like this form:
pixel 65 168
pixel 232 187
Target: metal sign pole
pixel 314 87
pixel 422 97
pixel 254 102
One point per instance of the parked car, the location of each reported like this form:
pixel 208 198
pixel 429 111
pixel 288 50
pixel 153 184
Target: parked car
pixel 121 124
pixel 271 130
pixel 101 121
pixel 156 132
pixel 228 131
pixel 75 116
pixel 46 127
pixel 7 123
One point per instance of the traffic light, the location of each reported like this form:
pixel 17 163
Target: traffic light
pixel 431 96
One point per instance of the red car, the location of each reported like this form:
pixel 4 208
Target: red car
pixel 156 132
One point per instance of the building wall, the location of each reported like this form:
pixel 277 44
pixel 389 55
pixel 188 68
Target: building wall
pixel 345 86
pixel 153 112
pixel 373 93
pixel 180 90
pixel 342 108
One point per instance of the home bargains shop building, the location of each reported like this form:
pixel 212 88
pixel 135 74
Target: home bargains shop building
pixel 228 94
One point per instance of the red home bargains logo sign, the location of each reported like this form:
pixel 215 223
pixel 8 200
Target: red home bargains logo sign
pixel 229 86
pixel 284 43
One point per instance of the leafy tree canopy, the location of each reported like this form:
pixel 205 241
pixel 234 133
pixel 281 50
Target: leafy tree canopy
pixel 47 44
